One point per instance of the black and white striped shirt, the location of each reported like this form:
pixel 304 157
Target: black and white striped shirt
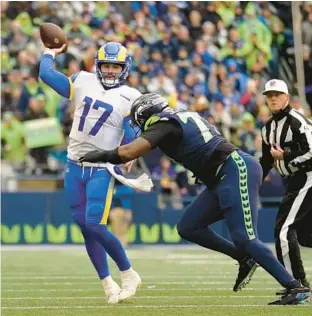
pixel 291 131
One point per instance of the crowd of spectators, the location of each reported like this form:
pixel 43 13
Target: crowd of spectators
pixel 209 57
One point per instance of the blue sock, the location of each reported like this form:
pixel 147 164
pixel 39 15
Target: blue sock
pixel 96 252
pixel 111 244
pixel 264 256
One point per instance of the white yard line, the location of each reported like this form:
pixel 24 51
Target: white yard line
pixel 136 297
pixel 144 277
pixel 151 288
pixel 128 306
pixel 189 283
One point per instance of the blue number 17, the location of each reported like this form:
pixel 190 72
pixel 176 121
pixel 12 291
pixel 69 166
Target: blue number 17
pixel 108 109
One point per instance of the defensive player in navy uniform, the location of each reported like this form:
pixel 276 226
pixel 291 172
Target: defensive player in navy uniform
pixel 101 121
pixel 232 178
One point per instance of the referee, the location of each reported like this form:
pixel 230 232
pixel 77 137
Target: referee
pixel 287 144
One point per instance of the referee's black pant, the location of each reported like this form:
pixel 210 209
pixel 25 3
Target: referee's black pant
pixel 293 225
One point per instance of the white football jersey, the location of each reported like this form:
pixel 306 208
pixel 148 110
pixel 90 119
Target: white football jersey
pixel 99 115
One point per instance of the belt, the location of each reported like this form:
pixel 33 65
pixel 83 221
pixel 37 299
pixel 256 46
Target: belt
pixel 88 164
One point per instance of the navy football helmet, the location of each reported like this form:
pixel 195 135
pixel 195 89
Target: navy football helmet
pixel 145 106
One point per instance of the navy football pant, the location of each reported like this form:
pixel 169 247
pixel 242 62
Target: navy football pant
pixel 235 199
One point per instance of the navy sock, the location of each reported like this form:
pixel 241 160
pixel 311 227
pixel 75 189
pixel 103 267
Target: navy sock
pixel 111 244
pixel 208 238
pixel 264 256
pixel 96 252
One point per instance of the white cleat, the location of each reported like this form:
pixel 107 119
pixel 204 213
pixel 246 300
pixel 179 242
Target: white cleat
pixel 111 290
pixel 130 281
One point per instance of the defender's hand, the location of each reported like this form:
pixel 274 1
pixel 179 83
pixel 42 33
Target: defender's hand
pixel 92 156
pixel 57 51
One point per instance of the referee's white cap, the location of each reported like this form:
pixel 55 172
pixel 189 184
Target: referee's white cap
pixel 275 85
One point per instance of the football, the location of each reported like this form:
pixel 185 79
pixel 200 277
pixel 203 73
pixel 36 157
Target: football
pixel 52 36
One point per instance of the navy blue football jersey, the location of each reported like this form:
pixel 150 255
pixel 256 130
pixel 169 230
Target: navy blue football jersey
pixel 200 147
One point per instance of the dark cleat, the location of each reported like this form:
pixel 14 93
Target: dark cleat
pixel 304 283
pixel 295 296
pixel 247 267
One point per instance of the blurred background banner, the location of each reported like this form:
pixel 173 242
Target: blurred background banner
pixel 45 218
pixel 43 132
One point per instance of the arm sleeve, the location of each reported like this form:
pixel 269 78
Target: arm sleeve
pixel 266 160
pixel 55 79
pixel 160 131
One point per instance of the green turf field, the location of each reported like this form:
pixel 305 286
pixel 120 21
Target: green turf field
pixel 179 280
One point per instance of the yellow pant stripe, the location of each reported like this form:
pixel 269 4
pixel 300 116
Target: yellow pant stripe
pixel 71 89
pixel 108 201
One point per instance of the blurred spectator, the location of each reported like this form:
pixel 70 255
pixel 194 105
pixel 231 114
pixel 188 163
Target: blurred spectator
pixel 161 84
pixel 17 43
pixel 257 151
pixel 11 92
pixel 187 182
pixel 307 64
pixel 222 119
pixel 134 82
pixel 248 99
pixel 12 140
pixel 227 95
pixel 87 63
pixel 35 109
pixel 200 104
pixel 236 46
pixel 263 116
pixel 30 88
pixel 307 26
pixel 249 134
pixel 295 104
pixel 211 14
pixel 184 39
pixel 8 177
pixel 260 36
pixel 195 19
pixel 39 156
pixel 166 176
pixel 52 15
pixel 120 215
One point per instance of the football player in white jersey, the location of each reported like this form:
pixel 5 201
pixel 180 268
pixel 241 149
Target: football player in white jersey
pixel 101 121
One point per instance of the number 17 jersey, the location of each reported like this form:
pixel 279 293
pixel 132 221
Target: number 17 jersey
pixel 98 116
